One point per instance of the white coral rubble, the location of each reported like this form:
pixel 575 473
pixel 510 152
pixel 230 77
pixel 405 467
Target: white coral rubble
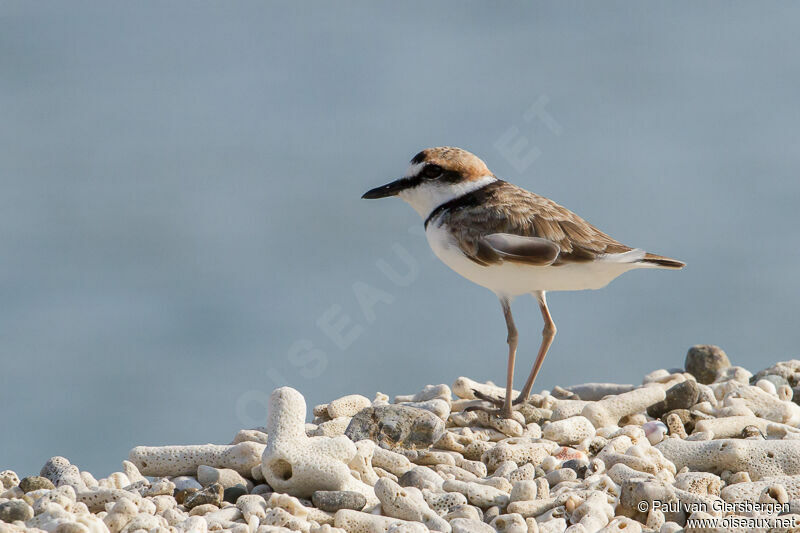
pixel 579 459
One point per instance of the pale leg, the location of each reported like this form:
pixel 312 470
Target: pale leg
pixel 548 334
pixel 504 404
pixel 511 339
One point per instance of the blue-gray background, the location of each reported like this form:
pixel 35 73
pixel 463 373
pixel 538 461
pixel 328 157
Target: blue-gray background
pixel 180 182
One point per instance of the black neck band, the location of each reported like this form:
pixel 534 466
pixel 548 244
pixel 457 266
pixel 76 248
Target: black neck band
pixel 469 199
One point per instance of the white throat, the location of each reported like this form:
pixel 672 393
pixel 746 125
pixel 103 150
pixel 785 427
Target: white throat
pixel 427 196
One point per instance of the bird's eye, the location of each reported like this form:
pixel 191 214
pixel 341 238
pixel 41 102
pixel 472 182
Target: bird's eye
pixel 432 171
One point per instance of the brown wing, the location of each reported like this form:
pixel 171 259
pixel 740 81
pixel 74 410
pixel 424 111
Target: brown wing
pixel 505 208
pixel 499 247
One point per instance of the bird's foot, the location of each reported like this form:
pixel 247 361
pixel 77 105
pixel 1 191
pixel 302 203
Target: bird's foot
pixel 498 402
pixel 502 412
pixel 499 406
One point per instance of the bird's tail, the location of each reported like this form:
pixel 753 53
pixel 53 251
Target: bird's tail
pixel 659 261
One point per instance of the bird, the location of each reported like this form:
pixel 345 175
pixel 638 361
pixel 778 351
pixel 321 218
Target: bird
pixel 511 241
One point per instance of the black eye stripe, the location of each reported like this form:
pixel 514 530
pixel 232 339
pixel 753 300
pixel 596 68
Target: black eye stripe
pixel 432 171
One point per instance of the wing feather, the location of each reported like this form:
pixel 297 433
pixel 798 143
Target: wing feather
pixel 507 247
pixel 505 209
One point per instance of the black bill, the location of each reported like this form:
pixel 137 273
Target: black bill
pixel 390 189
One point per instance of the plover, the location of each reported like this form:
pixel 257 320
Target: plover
pixel 510 241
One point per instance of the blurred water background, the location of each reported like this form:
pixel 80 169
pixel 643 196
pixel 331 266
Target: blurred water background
pixel 181 229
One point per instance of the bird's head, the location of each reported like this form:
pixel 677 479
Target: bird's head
pixel 435 176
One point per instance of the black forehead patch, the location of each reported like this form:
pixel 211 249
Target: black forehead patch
pixel 419 158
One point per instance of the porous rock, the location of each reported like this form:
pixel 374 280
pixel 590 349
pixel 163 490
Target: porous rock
pixel 8 479
pixel 752 491
pixel 569 431
pixel 609 411
pixel 534 415
pixel 408 503
pixel 520 450
pixel 705 362
pixel 252 505
pixel 509 523
pixel 466 388
pixel 347 406
pixel 396 426
pixel 682 395
pixel 333 500
pixel 477 494
pixel 699 483
pixel 430 392
pixel 437 406
pixel 13 510
pixel 759 458
pixel 184 460
pixel 226 477
pixel 787 370
pixel 31 483
pixel 356 521
pixel 253 435
pixel 470 525
pixel 597 391
pixel 730 426
pixel 421 478
pixel 299 465
pixel 61 472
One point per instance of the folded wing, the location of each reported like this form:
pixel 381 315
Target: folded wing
pixel 507 210
pixel 499 247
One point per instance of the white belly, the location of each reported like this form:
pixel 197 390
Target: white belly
pixel 513 279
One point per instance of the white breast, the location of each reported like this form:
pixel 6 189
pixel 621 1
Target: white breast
pixel 513 279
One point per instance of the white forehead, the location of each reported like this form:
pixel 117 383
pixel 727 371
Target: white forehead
pixel 414 169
